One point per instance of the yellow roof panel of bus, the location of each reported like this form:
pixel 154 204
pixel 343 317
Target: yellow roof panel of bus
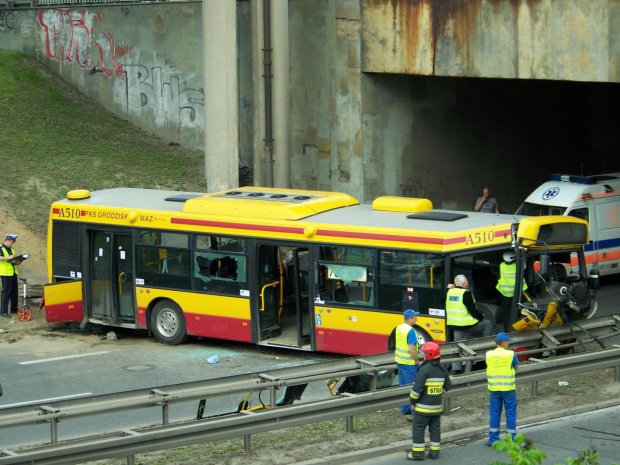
pixel 253 202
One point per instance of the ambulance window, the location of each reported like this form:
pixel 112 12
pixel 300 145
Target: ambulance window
pixel 581 213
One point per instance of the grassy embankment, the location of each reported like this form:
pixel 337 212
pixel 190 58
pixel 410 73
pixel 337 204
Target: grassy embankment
pixel 54 139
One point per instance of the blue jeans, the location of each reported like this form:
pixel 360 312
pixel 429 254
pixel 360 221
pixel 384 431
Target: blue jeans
pixel 507 399
pixel 406 375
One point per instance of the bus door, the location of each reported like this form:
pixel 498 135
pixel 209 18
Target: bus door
pixel 282 300
pixel 111 282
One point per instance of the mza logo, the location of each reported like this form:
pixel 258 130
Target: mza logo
pixel 550 193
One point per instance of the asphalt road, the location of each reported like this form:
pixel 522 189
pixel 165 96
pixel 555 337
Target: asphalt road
pixel 71 367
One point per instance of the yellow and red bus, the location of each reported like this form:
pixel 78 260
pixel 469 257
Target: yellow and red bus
pixel 308 270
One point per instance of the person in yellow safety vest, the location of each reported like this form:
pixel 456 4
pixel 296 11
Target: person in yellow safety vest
pixel 501 367
pixel 463 316
pixel 8 273
pixel 506 287
pixel 406 354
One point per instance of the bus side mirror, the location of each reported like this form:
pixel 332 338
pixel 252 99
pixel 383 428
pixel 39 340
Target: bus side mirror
pixel 594 281
pixel 545 266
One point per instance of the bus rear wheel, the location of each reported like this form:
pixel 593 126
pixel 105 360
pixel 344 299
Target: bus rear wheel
pixel 168 323
pixel 423 337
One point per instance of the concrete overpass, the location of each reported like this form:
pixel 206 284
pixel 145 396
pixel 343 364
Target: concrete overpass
pixel 423 98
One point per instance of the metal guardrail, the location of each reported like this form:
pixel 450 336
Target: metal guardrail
pixel 139 440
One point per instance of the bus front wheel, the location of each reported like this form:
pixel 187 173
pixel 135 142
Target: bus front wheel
pixel 168 323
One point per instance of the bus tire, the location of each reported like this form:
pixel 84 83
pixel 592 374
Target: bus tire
pixel 423 337
pixel 168 323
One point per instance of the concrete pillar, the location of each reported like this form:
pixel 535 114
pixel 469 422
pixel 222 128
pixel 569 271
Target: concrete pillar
pixel 258 94
pixel 281 89
pixel 221 94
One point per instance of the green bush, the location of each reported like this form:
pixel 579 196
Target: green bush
pixel 522 451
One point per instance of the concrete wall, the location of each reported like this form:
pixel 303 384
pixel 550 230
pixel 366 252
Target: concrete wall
pixel 384 133
pixel 526 39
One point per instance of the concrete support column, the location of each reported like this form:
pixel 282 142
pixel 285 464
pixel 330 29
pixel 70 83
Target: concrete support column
pixel 281 89
pixel 258 92
pixel 221 94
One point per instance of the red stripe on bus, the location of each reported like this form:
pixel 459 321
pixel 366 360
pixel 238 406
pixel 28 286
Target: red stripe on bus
pixel 350 342
pixel 248 227
pixel 455 240
pixel 64 312
pixel 218 327
pixel 338 341
pixel 379 237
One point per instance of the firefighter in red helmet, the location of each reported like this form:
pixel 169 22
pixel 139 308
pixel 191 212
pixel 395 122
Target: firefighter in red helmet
pixel 426 400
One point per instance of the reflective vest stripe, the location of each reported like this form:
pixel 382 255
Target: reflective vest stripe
pixel 458 315
pixel 423 408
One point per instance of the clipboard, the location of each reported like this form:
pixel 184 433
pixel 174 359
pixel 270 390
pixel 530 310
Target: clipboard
pixel 20 258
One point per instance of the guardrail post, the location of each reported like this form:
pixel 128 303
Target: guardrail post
pixel 247 443
pixel 54 428
pixel 447 406
pixel 272 395
pixel 373 381
pixel 131 460
pixel 617 377
pixel 535 388
pixel 349 424
pixel 164 404
pixel 165 412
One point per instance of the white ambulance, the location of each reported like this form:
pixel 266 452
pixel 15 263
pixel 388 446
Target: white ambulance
pixel 595 199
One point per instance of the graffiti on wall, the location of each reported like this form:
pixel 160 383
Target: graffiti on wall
pixel 7 20
pixel 25 24
pixel 70 37
pixel 174 99
pixel 417 188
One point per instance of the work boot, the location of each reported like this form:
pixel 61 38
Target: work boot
pixel 433 454
pixel 415 456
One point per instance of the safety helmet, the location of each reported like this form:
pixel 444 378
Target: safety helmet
pixel 509 256
pixel 431 350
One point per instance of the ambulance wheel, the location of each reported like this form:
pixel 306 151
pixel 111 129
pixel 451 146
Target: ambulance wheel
pixel 168 323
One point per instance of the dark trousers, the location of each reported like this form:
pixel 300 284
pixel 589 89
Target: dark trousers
pixel 9 292
pixel 420 422
pixel 506 306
